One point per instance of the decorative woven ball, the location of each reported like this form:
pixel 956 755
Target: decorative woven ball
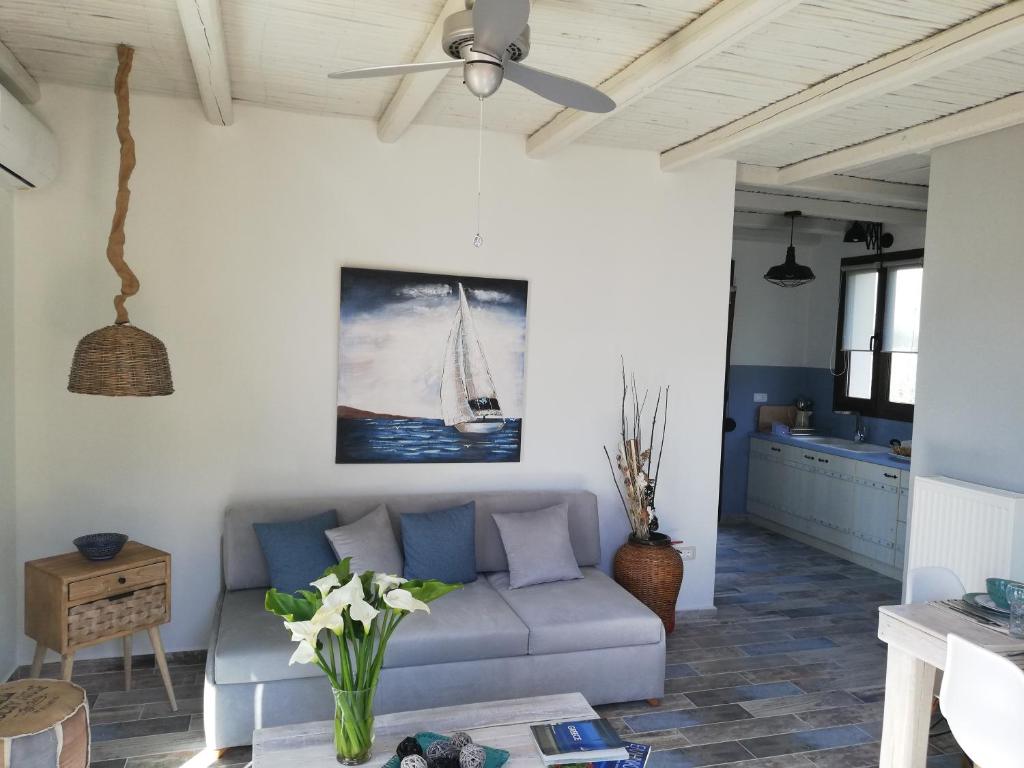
pixel 413 761
pixel 459 739
pixel 444 761
pixel 472 756
pixel 441 748
pixel 409 746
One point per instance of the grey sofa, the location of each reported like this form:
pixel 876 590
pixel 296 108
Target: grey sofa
pixel 480 643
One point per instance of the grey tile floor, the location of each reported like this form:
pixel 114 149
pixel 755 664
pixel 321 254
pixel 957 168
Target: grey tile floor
pixel 788 674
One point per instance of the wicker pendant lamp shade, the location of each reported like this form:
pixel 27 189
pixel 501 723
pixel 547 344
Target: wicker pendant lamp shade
pixel 121 359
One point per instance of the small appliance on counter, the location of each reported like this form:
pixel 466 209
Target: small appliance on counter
pixel 803 422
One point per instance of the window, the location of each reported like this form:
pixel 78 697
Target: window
pixel 879 322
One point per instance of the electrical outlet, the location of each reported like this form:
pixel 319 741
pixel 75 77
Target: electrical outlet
pixel 688 552
pixel 760 397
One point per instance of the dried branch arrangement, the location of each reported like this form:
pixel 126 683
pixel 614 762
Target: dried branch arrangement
pixel 635 462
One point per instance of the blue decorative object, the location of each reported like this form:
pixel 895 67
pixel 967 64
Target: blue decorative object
pixel 997 591
pixel 441 545
pixel 495 757
pixel 100 546
pixel 297 552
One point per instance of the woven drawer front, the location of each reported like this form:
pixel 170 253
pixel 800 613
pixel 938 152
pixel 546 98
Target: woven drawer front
pixel 103 618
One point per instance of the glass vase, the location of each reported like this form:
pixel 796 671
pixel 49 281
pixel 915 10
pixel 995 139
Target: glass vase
pixel 353 725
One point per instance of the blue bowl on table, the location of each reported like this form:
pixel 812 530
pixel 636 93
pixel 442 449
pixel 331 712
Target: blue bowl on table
pixel 997 591
pixel 100 546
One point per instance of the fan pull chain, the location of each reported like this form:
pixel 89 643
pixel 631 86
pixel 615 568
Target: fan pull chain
pixel 478 239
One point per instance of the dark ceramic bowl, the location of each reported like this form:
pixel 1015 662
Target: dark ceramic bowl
pixel 997 591
pixel 100 546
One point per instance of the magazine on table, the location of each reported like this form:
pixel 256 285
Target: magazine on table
pixel 579 741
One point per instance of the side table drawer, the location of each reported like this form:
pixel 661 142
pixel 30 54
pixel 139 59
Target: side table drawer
pixel 116 583
pixel 94 621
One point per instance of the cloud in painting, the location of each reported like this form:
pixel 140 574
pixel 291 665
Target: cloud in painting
pixel 435 291
pixel 492 297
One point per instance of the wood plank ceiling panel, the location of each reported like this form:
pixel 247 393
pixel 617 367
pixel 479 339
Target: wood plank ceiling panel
pixel 962 88
pixel 280 51
pixel 909 169
pixel 817 40
pixel 589 40
pixel 75 42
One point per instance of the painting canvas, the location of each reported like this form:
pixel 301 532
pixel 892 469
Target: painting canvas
pixel 431 368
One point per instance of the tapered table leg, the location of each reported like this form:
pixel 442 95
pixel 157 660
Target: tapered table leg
pixel 126 641
pixel 37 660
pixel 161 662
pixel 67 663
pixel 908 697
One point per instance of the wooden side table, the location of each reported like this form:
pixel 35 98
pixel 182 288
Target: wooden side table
pixel 72 603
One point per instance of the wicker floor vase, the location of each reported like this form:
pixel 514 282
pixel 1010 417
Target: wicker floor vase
pixel 651 571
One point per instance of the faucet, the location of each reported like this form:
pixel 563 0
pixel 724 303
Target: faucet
pixel 861 431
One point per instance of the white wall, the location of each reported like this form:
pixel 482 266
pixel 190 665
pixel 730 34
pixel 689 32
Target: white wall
pixel 237 235
pixel 969 418
pixel 8 554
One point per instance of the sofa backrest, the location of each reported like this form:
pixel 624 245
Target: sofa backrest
pixel 245 567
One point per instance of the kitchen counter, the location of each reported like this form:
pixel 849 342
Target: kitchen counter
pixel 881 457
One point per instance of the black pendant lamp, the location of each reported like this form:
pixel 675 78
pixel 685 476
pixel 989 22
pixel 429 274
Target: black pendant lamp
pixel 789 274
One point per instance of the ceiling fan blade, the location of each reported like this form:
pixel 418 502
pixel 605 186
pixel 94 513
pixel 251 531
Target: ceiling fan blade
pixel 496 23
pixel 561 90
pixel 394 70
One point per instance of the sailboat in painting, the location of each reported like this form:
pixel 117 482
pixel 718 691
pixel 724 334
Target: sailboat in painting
pixel 469 401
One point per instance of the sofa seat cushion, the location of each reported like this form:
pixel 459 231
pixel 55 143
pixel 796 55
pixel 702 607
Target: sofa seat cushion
pixel 580 615
pixel 468 624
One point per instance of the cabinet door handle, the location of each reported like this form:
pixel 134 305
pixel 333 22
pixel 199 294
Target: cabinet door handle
pixel 776 450
pixel 893 477
pixel 122 580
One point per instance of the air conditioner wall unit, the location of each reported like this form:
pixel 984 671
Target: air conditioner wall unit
pixel 28 149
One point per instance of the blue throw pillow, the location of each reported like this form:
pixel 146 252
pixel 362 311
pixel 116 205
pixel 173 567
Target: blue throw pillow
pixel 441 545
pixel 297 552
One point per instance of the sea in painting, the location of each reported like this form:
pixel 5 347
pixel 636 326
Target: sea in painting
pixel 431 368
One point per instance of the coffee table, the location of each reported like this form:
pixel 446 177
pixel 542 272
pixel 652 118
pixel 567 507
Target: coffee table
pixel 500 724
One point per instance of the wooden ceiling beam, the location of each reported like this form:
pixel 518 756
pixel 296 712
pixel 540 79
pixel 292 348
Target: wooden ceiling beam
pixel 204 33
pixel 714 31
pixel 16 79
pixel 982 36
pixel 414 91
pixel 994 116
pixel 771 202
pixel 846 188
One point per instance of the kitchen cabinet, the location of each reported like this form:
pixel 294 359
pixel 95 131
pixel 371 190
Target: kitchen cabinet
pixel 855 509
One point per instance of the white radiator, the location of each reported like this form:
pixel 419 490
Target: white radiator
pixel 973 530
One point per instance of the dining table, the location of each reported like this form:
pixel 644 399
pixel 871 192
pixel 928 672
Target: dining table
pixel 916 638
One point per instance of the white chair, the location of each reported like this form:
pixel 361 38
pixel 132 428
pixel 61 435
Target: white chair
pixel 983 700
pixel 933 583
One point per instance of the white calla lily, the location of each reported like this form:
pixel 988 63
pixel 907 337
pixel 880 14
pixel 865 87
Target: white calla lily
pixel 351 596
pixel 385 581
pixel 326 584
pixel 304 654
pixel 305 633
pixel 330 618
pixel 403 600
pixel 364 612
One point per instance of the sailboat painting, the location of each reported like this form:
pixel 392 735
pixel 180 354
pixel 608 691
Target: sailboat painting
pixel 431 368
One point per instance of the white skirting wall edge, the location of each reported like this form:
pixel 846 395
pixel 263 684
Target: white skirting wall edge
pixel 971 529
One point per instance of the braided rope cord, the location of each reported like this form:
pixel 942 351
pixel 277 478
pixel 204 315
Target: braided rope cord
pixel 115 242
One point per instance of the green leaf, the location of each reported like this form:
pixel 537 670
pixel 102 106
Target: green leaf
pixel 313 598
pixel 342 570
pixel 430 589
pixel 288 607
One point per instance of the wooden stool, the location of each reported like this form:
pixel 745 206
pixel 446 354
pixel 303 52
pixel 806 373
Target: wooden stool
pixel 43 722
pixel 72 603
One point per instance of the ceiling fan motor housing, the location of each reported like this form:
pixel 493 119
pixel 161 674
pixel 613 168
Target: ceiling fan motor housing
pixel 458 32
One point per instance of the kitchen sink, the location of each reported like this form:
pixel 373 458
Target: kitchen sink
pixel 846 445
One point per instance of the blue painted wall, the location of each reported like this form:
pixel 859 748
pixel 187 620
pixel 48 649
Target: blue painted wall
pixel 783 384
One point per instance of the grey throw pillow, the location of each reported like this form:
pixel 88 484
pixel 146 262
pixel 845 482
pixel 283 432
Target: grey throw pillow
pixel 370 542
pixel 537 545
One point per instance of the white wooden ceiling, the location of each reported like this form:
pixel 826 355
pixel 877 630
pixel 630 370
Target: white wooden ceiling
pixel 279 52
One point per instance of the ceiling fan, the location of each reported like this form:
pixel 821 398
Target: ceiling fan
pixel 490 39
